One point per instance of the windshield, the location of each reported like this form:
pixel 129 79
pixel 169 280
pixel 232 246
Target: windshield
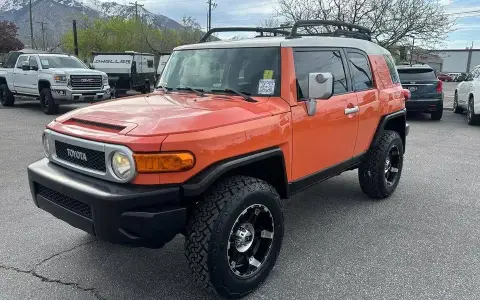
pixel 61 62
pixel 416 74
pixel 252 71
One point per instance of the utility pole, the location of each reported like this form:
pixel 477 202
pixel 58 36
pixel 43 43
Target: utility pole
pixel 31 25
pixel 44 48
pixel 211 6
pixel 136 8
pixel 75 39
pixel 413 47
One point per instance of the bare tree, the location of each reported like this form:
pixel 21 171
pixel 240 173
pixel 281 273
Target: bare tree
pixel 392 22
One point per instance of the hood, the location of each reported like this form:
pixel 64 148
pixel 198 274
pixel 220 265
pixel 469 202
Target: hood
pixel 162 114
pixel 62 71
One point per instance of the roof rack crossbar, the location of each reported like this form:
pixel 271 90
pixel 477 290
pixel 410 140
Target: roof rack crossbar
pixel 360 33
pixel 244 29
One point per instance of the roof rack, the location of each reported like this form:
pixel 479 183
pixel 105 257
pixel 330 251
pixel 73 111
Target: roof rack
pixel 344 29
pixel 244 29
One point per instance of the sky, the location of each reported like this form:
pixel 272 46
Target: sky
pixel 252 12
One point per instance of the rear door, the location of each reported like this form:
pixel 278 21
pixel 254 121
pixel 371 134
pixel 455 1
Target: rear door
pixel 19 77
pixel 422 83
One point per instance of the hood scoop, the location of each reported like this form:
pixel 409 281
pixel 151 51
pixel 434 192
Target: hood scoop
pixel 95 125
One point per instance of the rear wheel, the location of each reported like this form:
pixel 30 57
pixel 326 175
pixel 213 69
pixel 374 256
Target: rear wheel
pixel 381 169
pixel 436 115
pixel 47 102
pixel 456 108
pixel 234 236
pixel 472 118
pixel 6 96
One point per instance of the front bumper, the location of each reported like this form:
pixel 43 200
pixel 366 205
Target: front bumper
pixel 64 93
pixel 120 214
pixel 424 105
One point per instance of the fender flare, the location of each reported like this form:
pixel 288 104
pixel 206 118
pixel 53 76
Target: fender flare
pixel 205 178
pixel 385 119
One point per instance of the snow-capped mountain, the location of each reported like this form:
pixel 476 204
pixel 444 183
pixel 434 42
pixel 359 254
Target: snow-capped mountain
pixel 57 15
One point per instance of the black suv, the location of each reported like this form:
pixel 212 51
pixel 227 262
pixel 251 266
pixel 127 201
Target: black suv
pixel 425 87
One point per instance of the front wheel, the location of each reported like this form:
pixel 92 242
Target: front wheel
pixel 472 118
pixel 456 108
pixel 6 96
pixel 47 102
pixel 234 236
pixel 381 169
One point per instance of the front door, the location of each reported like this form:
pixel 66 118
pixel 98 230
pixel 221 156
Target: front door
pixel 19 76
pixel 31 77
pixel 328 138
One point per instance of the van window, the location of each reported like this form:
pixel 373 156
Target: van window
pixel 361 73
pixel 150 63
pixel 417 74
pixel 324 61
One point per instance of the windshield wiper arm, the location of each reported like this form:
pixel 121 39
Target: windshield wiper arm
pixel 199 92
pixel 164 88
pixel 247 98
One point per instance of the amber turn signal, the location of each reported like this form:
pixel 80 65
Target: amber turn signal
pixel 164 162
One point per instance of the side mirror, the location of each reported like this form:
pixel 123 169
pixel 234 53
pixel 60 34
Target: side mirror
pixel 320 86
pixel 25 66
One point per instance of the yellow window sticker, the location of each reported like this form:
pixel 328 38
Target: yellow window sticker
pixel 268 74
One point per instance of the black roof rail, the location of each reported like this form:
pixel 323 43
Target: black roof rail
pixel 244 29
pixel 344 29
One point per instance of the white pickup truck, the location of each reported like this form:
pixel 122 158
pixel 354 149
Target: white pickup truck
pixel 54 79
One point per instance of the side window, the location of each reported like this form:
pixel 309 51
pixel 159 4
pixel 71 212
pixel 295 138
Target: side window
pixel 361 72
pixel 21 59
pixel 324 61
pixel 33 62
pixel 392 68
pixel 150 63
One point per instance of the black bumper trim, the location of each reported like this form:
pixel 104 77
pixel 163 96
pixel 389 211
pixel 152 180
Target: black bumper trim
pixel 424 105
pixel 122 214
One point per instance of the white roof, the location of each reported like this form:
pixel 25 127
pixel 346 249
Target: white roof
pixel 304 41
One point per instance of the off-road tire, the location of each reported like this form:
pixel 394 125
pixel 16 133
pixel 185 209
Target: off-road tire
pixel 6 96
pixel 146 89
pixel 47 102
pixel 371 172
pixel 456 108
pixel 472 117
pixel 208 232
pixel 436 116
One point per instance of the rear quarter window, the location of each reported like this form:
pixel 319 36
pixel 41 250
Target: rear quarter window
pixel 392 68
pixel 416 74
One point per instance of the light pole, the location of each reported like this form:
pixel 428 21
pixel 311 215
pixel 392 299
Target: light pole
pixel 413 46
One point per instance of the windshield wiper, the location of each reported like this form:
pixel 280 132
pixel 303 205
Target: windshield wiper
pixel 242 94
pixel 165 88
pixel 199 92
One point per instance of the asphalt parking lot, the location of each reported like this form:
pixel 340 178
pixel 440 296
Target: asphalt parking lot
pixel 422 243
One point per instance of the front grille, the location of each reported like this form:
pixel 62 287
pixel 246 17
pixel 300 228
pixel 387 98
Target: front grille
pixel 66 202
pixel 86 81
pixel 83 157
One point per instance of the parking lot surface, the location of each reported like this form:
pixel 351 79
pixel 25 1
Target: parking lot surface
pixel 422 243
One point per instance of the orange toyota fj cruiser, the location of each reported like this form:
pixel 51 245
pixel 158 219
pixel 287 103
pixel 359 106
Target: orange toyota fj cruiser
pixel 233 127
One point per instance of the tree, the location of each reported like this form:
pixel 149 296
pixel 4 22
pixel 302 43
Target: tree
pixel 118 35
pixel 8 37
pixel 391 21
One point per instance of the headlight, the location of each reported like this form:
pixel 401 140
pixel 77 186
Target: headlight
pixel 121 165
pixel 60 78
pixel 46 145
pixel 105 80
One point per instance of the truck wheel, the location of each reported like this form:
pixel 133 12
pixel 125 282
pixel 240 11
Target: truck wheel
pixel 46 101
pixel 380 172
pixel 146 88
pixel 234 236
pixel 6 96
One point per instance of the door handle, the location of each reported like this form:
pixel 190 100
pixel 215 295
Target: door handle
pixel 352 110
